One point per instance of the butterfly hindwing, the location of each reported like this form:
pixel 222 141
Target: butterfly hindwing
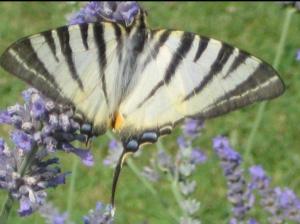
pixel 74 65
pixel 187 75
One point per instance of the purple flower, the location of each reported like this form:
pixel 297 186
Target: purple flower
pixel 252 221
pixel 85 155
pixel 127 11
pixel 150 174
pixel 298 55
pixel 224 151
pixel 102 214
pixel 60 219
pixel 197 156
pixel 38 107
pixel 92 8
pixel 45 127
pixel 238 194
pixel 5 117
pixel 191 127
pixel 114 145
pixel 94 11
pixel 78 18
pixel 114 153
pixel 22 140
pixel 57 180
pixel 259 178
pixel 25 207
pixel 164 161
pixel 182 143
pixel 26 94
pixel 2 146
pixel 52 215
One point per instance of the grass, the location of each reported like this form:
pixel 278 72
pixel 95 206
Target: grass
pixel 254 27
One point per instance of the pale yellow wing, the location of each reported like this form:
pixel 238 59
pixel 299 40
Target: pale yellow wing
pixel 74 65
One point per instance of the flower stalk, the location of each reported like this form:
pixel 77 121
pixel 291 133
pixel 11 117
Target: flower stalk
pixel 259 115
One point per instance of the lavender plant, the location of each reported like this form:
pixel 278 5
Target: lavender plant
pixel 239 195
pixel 39 129
pixel 101 215
pixel 52 216
pixel 114 11
pixel 180 169
pixel 281 204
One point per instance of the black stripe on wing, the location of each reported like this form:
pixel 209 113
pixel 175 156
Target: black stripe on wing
pixel 118 34
pixel 156 48
pixel 264 83
pixel 217 66
pixel 203 42
pixel 21 60
pixel 64 40
pixel 84 27
pixel 185 45
pixel 50 42
pixel 101 48
pixel 240 59
pixel 183 48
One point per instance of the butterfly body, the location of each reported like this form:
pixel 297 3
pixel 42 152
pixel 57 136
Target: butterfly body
pixel 138 81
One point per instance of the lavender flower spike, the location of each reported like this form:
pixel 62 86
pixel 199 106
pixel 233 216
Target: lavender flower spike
pixel 238 194
pixel 40 128
pixel 53 216
pixel 103 214
pixel 283 205
pixel 115 11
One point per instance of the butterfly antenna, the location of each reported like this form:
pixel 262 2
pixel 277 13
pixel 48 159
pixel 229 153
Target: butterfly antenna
pixel 116 176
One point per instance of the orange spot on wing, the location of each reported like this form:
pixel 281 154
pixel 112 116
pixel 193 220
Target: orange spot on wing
pixel 118 122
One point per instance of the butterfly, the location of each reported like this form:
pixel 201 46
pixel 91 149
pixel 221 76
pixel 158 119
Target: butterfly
pixel 138 81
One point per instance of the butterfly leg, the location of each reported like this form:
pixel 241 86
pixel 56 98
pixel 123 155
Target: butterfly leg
pixel 130 146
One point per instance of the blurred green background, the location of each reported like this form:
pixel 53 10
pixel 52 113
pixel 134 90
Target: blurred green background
pixel 254 27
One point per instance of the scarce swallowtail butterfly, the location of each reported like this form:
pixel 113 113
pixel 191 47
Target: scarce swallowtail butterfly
pixel 138 81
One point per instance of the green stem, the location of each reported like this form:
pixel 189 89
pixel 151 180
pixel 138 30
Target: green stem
pixel 8 203
pixel 176 192
pixel 259 115
pixel 284 33
pixel 72 186
pixel 27 161
pixel 136 171
pixel 6 208
pixel 174 183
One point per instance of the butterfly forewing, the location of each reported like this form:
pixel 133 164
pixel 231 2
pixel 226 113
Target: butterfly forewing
pixel 150 78
pixel 74 65
pixel 187 75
